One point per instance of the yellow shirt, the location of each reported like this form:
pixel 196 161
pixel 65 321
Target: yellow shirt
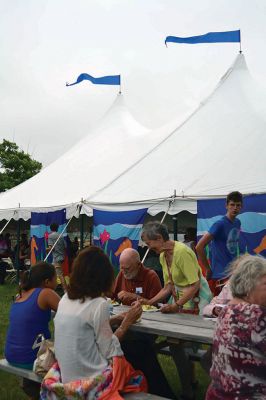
pixel 185 268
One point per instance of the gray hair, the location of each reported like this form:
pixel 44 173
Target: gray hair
pixel 153 229
pixel 247 273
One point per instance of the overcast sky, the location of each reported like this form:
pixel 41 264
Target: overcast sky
pixel 44 43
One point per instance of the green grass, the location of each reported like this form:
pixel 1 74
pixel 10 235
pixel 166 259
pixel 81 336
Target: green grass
pixel 171 374
pixel 10 384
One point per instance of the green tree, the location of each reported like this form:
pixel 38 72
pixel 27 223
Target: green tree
pixel 16 166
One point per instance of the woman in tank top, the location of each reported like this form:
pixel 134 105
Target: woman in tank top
pixel 30 315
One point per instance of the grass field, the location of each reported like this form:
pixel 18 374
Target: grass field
pixel 10 384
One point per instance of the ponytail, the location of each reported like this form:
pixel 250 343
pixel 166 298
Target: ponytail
pixel 25 283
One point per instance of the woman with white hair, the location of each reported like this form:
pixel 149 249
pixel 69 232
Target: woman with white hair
pixel 239 347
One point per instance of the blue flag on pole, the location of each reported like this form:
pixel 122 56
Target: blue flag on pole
pixel 211 37
pixel 252 217
pixel 116 231
pixel 104 80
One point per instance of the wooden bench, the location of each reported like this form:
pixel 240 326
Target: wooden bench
pixel 25 373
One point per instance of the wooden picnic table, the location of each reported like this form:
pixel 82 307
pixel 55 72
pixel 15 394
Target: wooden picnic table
pixel 193 328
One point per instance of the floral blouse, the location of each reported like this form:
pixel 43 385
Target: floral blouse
pixel 239 354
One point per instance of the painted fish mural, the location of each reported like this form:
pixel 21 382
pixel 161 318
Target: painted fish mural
pixel 116 231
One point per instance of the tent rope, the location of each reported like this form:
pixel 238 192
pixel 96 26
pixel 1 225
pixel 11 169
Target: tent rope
pixel 61 234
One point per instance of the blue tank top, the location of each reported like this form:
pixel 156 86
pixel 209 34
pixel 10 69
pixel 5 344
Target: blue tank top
pixel 26 321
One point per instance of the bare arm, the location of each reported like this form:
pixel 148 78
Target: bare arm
pixel 188 293
pixel 127 298
pixel 213 308
pixel 116 320
pixel 200 249
pixel 130 318
pixel 48 299
pixel 162 295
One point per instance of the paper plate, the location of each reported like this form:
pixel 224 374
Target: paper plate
pixel 151 309
pixel 115 304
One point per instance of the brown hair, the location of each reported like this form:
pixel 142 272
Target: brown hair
pixel 237 197
pixel 36 276
pixel 92 274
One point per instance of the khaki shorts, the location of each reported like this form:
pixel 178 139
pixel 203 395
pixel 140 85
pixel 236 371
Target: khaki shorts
pixel 58 268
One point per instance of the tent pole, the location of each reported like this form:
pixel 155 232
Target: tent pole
pixel 81 227
pixel 81 231
pixel 175 229
pixel 91 232
pixel 18 248
pixel 2 230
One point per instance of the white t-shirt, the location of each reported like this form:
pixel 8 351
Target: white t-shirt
pixel 84 341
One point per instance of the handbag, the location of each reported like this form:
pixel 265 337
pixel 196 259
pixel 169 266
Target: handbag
pixel 45 356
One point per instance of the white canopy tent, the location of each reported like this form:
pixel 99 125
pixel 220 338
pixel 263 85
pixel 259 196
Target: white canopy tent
pixel 122 165
pixel 218 149
pixel 113 146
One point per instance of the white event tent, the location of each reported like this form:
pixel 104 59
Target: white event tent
pixel 116 142
pixel 219 148
pixel 122 165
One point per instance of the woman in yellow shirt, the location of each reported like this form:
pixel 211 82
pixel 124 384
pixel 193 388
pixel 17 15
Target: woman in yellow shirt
pixel 184 281
pixel 181 271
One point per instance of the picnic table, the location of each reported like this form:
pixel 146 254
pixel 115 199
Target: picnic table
pixel 188 327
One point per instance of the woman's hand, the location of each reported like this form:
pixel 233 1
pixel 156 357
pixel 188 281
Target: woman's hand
pixel 133 314
pixel 130 318
pixel 216 311
pixel 169 308
pixel 117 319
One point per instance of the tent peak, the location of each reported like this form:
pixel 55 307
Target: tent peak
pixel 240 62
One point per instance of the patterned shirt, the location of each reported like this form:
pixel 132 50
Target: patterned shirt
pixel 239 354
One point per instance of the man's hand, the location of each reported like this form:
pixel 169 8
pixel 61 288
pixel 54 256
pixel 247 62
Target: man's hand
pixel 141 300
pixel 126 296
pixel 169 308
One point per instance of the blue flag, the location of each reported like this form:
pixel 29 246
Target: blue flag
pixel 104 80
pixel 116 231
pixel 211 37
pixel 252 217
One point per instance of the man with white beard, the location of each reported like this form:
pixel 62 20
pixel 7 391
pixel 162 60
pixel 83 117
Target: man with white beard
pixel 134 280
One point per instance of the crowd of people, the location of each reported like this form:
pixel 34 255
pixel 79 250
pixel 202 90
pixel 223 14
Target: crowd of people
pixel 97 355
